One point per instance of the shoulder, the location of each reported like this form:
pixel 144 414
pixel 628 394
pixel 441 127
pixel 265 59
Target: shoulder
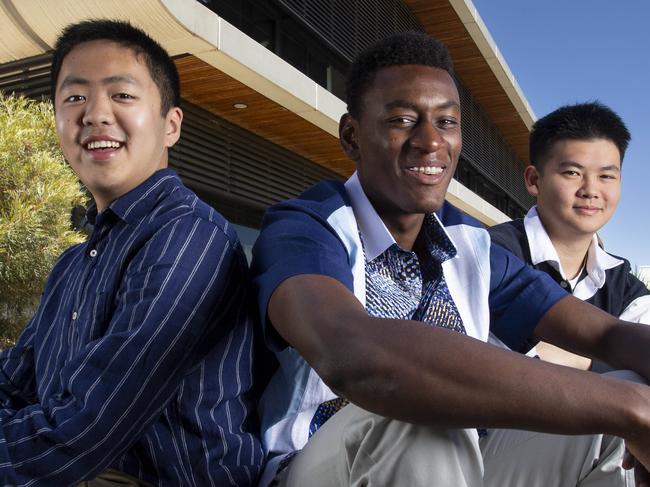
pixel 508 231
pixel 621 277
pixel 512 236
pixel 323 209
pixel 320 201
pixel 451 216
pixel 181 208
pixel 311 231
pixel 467 233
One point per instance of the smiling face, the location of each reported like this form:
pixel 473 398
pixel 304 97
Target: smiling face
pixel 406 142
pixel 578 187
pixel 108 118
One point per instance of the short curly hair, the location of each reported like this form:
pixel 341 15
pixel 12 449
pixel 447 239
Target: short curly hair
pixel 396 50
pixel 582 121
pixel 160 65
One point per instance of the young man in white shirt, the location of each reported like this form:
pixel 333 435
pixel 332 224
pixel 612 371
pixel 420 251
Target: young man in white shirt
pixel 576 156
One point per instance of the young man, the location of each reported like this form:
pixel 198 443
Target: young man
pixel 576 156
pixel 136 368
pixel 350 278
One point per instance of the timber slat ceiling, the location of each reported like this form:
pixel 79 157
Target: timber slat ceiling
pixel 210 88
pixel 440 20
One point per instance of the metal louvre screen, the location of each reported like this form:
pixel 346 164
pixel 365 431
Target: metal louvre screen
pixel 485 149
pixel 242 170
pixel 29 77
pixel 236 171
pixel 349 26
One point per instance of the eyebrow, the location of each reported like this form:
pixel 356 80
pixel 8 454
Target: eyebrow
pixel 577 165
pixel 118 78
pixel 414 106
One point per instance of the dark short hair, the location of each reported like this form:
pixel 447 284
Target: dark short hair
pixel 161 67
pixel 395 50
pixel 582 121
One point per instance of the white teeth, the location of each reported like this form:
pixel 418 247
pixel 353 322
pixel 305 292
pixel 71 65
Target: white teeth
pixel 429 170
pixel 103 144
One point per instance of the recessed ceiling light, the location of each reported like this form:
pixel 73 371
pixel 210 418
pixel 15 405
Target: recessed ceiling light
pixel 240 105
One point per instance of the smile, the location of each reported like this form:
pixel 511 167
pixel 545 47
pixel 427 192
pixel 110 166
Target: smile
pixel 587 210
pixel 103 144
pixel 429 170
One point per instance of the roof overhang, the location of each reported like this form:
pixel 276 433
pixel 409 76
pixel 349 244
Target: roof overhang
pixel 221 67
pixel 480 65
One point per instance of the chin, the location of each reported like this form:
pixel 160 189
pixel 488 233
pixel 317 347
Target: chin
pixel 432 206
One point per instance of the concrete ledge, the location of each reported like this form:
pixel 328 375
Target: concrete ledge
pixel 474 205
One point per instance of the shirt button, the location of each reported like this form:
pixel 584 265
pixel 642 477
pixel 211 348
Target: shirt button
pixel 74 315
pixel 93 253
pixel 563 284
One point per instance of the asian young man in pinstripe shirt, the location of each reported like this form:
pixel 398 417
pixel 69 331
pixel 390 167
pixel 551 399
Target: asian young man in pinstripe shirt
pixel 136 368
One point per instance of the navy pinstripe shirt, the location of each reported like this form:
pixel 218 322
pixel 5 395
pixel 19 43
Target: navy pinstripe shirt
pixel 139 355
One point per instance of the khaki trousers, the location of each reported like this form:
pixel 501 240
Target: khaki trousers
pixel 113 478
pixel 361 449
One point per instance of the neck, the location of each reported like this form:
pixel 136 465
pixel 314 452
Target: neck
pixel 572 254
pixel 404 228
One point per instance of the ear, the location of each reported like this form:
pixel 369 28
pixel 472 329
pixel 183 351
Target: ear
pixel 348 130
pixel 531 178
pixel 173 122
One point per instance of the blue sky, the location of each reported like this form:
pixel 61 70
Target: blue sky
pixel 576 50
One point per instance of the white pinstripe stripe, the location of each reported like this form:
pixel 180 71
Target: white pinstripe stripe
pixel 238 361
pixel 221 389
pixel 179 459
pixel 184 442
pixel 225 452
pixel 204 445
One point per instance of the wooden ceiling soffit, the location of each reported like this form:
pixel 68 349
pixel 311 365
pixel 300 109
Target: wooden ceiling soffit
pixel 440 20
pixel 208 87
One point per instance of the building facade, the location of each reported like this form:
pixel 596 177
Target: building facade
pixel 263 82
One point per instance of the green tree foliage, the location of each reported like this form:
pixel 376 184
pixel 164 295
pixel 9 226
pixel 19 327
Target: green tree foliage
pixel 37 193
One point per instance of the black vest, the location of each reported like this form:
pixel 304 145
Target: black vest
pixel 621 286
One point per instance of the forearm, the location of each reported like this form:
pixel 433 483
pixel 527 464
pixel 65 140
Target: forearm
pixel 432 376
pixel 588 331
pixel 625 346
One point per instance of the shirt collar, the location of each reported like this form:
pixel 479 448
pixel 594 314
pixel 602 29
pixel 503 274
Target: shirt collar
pixel 542 250
pixel 132 206
pixel 376 237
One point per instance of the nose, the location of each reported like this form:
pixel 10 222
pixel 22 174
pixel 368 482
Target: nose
pixel 588 188
pixel 426 137
pixel 98 111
